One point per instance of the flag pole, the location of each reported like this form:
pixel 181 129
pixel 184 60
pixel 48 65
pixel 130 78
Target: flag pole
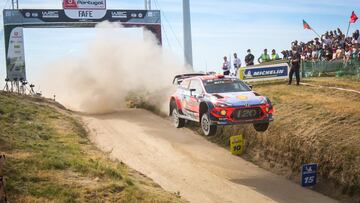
pixel 315 32
pixel 347 32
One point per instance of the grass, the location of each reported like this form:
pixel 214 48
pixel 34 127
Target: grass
pixel 349 82
pixel 50 159
pixel 311 124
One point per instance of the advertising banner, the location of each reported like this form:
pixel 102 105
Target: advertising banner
pixel 54 17
pixel 16 56
pixel 266 72
pixel 85 9
pixel 16 20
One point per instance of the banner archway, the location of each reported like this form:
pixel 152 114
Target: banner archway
pixel 16 20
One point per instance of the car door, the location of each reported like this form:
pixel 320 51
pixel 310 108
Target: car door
pixel 193 103
pixel 184 96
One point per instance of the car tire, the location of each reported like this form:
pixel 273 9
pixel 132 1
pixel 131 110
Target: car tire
pixel 177 121
pixel 206 126
pixel 261 127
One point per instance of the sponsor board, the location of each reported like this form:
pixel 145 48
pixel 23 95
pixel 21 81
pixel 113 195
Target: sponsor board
pixel 309 175
pixel 44 16
pixel 15 58
pixel 266 72
pixel 84 4
pixel 85 9
pixel 237 145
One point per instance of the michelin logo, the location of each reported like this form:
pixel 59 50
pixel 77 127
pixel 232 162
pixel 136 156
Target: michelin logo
pixel 268 72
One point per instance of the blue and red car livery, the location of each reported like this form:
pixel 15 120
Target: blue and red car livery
pixel 214 100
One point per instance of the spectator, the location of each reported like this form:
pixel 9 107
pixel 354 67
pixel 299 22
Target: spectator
pixel 348 54
pixel 328 53
pixel 354 52
pixel 295 67
pixel 274 55
pixel 264 57
pixel 237 64
pixel 326 40
pixel 226 66
pixel 249 58
pixel 339 54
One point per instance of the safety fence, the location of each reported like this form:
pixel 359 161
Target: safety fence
pixel 337 68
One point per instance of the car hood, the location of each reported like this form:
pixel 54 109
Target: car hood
pixel 239 98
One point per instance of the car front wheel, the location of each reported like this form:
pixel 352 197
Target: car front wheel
pixel 261 127
pixel 177 121
pixel 206 126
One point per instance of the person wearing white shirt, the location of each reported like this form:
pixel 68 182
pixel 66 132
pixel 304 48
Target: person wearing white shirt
pixel 226 66
pixel 237 64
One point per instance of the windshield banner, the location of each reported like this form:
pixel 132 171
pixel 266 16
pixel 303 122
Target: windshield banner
pixel 265 72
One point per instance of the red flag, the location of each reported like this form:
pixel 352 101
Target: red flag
pixel 353 17
pixel 306 25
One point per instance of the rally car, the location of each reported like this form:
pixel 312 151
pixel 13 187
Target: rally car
pixel 214 100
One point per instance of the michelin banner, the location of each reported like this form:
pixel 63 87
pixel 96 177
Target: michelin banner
pixel 266 72
pixel 16 56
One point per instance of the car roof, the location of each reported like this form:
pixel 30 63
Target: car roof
pixel 210 77
pixel 216 77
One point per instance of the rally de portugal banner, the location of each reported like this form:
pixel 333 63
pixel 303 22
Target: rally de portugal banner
pixel 15 56
pixel 266 72
pixel 85 9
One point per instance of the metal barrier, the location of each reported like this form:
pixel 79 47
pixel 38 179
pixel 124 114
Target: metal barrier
pixel 338 68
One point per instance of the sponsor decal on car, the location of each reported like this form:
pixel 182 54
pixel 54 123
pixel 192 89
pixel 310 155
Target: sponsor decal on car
pixel 242 97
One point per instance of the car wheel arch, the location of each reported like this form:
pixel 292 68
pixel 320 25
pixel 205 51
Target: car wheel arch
pixel 204 108
pixel 174 102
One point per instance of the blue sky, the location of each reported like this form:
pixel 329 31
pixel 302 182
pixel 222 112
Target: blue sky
pixel 219 28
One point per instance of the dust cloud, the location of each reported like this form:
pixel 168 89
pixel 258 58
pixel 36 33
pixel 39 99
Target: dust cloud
pixel 114 66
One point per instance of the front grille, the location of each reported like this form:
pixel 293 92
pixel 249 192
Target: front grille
pixel 247 114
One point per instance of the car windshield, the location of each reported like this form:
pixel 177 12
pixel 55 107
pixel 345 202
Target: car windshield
pixel 225 85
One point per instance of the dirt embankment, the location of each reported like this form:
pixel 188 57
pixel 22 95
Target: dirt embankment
pixel 311 124
pixel 50 159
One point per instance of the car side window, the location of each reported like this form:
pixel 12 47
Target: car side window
pixel 196 84
pixel 185 84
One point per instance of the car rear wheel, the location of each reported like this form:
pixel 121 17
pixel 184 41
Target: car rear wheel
pixel 177 121
pixel 206 126
pixel 261 127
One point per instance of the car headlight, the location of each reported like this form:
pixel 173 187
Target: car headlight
pixel 223 112
pixel 220 104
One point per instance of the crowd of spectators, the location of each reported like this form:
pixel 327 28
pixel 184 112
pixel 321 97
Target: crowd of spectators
pixel 333 45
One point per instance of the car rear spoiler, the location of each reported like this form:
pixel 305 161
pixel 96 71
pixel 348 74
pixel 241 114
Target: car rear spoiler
pixel 179 78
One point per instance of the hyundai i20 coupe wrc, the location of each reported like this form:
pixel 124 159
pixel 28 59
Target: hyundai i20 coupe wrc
pixel 214 100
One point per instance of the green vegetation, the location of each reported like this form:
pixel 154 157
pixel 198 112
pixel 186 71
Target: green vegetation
pixel 312 124
pixel 50 159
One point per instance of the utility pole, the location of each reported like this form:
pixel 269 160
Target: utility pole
pixel 187 34
pixel 15 4
pixel 147 4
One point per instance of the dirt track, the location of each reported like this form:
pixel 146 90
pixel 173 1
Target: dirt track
pixel 180 160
